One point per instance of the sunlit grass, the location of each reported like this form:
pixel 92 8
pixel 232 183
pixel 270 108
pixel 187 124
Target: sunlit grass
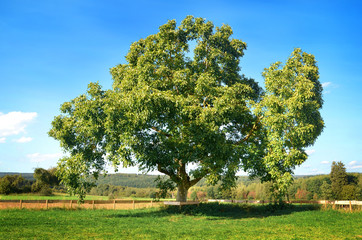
pixel 208 221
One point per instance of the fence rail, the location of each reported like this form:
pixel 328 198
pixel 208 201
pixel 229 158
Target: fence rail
pixel 133 204
pixel 94 204
pixel 343 202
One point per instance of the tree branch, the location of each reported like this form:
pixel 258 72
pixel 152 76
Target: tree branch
pixel 255 127
pixel 161 132
pixel 172 175
pixel 204 104
pixel 164 171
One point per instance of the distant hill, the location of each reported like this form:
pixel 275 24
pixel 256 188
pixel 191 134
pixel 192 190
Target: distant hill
pixel 28 176
pixel 129 180
pixel 148 181
pixel 138 180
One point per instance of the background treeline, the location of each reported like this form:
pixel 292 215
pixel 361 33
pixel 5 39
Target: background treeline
pixel 43 182
pixel 129 180
pixel 338 185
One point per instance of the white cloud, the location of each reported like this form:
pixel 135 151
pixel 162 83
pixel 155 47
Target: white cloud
pixel 356 167
pixel 310 152
pixel 14 123
pixel 38 157
pixel 23 140
pixel 325 162
pixel 326 84
pixel 352 163
pixel 2 140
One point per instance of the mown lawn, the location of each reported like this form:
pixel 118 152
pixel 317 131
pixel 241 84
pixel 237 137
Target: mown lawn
pixel 208 221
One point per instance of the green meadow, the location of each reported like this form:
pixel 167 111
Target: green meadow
pixel 207 221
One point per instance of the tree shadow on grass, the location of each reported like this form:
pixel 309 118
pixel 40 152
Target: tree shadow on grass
pixel 216 211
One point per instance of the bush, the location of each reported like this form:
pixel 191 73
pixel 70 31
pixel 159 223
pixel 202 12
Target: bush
pixel 13 184
pixel 193 196
pixel 45 190
pixel 349 192
pixel 5 186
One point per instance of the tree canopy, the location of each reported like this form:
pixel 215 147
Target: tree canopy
pixel 180 106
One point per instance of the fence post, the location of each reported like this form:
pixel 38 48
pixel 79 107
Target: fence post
pixel 151 203
pixel 114 204
pixel 133 205
pixel 21 204
pixel 350 206
pixel 93 204
pixel 71 204
pixel 46 201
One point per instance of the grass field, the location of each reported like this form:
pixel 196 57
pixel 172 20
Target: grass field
pixel 208 221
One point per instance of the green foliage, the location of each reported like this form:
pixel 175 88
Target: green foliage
pixel 14 184
pixel 46 177
pixel 193 196
pixel 129 180
pixel 349 192
pixel 26 176
pixel 123 192
pixel 290 115
pixel 339 179
pixel 326 191
pixel 168 110
pixel 164 185
pixel 45 181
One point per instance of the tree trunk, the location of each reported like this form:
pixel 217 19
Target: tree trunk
pixel 182 193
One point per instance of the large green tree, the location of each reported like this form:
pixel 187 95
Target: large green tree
pixel 180 106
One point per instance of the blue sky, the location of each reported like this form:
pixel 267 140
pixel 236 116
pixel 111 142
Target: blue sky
pixel 51 50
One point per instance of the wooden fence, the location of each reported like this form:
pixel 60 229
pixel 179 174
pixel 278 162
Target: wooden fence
pixel 70 204
pixel 133 204
pixel 334 204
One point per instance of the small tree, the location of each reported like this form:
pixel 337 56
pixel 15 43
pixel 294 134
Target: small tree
pixel 6 185
pixel 349 192
pixel 326 191
pixel 210 192
pixel 45 180
pixel 302 194
pixel 339 179
pixel 193 195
